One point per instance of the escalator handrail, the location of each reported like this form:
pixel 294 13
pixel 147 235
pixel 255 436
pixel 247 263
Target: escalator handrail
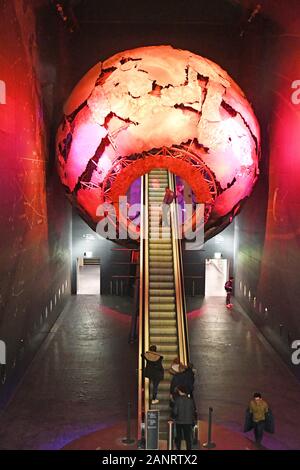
pixel 141 313
pixel 182 328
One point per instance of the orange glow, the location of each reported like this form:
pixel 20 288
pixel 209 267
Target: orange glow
pixel 150 98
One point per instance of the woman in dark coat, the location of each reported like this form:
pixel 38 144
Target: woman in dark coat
pixel 154 370
pixel 185 377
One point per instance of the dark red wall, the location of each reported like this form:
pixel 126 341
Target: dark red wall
pixel 268 252
pixel 34 217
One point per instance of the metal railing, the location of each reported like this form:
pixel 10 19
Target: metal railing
pixel 183 344
pixel 182 332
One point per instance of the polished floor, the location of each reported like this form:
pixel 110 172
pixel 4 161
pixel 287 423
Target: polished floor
pixel 80 381
pixel 233 360
pixel 85 373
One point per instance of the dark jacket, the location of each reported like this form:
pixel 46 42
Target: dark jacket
pixel 154 369
pixel 228 286
pixel 185 379
pixel 184 410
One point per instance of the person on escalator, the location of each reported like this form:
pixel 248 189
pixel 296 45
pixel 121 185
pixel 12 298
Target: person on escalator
pixel 167 201
pixel 185 415
pixel 184 378
pixel 154 370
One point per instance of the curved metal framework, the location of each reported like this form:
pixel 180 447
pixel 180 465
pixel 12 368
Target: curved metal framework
pixel 163 157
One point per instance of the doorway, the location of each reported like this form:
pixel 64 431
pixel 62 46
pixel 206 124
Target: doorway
pixel 88 276
pixel 216 274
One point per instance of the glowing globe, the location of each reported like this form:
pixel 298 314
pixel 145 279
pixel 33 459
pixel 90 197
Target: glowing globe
pixel 158 107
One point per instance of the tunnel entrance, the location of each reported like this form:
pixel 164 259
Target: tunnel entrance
pixel 216 274
pixel 88 275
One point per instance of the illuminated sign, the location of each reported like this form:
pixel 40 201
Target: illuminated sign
pixel 2 353
pixel 2 92
pixel 296 353
pixel 295 97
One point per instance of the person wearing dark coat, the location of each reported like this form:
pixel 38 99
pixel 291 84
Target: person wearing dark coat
pixel 185 377
pixel 154 370
pixel 185 417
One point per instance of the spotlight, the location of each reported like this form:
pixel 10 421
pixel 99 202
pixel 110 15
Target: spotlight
pixel 253 14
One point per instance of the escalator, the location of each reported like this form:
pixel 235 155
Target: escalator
pixel 162 303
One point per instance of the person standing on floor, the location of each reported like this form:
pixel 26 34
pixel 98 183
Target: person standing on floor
pixel 229 288
pixel 185 416
pixel 258 408
pixel 154 370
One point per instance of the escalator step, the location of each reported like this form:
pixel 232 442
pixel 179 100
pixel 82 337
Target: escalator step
pixel 163 322
pixel 157 271
pixel 163 255
pixel 161 261
pixel 163 316
pixel 157 246
pixel 170 307
pixel 157 234
pixel 163 330
pixel 157 175
pixel 167 286
pixel 162 292
pixel 162 340
pixel 162 349
pixel 161 278
pixel 166 300
pixel 160 233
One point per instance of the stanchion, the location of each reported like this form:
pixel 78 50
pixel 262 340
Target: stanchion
pixel 128 439
pixel 170 434
pixel 209 444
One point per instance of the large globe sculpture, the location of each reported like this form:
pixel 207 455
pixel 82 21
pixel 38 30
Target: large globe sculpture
pixel 158 107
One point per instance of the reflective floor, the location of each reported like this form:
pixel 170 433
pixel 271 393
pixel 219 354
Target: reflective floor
pixel 80 381
pixel 233 360
pixel 85 373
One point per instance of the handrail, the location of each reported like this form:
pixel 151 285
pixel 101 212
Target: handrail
pixel 179 288
pixel 143 383
pixel 141 319
pixel 146 285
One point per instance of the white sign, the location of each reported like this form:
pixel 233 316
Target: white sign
pixel 296 94
pixel 2 353
pixel 296 354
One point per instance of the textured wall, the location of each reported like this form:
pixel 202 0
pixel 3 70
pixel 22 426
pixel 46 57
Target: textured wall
pixel 268 255
pixel 34 217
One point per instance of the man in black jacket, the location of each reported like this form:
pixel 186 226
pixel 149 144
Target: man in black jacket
pixel 185 416
pixel 185 377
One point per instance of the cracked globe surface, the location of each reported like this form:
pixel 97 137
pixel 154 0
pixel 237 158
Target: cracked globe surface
pixel 158 107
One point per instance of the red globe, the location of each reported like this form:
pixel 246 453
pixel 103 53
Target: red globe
pixel 160 107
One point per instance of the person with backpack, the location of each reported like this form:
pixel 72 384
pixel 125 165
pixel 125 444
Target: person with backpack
pixel 154 370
